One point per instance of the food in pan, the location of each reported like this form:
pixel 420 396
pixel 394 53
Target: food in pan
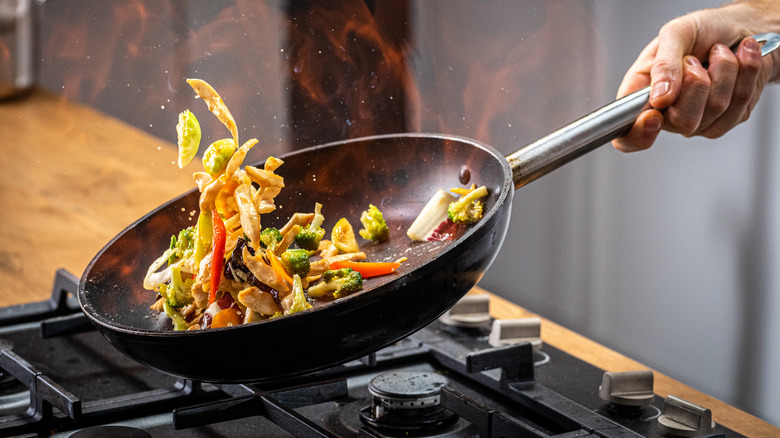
pixel 374 225
pixel 229 269
pixel 445 215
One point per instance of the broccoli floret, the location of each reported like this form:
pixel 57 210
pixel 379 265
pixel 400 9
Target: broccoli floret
pixel 296 261
pixel 337 282
pixel 374 225
pixel 269 237
pixel 298 302
pixel 177 292
pixel 309 237
pixel 469 208
pixel 179 323
pixel 182 245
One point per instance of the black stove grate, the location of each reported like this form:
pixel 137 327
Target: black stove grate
pixel 73 380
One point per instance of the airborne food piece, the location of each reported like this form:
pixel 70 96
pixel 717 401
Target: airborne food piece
pixel 188 132
pixel 228 269
pixel 445 215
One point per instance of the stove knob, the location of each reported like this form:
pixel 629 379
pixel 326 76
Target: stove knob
pixel 470 311
pixel 627 388
pixel 513 331
pixel 683 418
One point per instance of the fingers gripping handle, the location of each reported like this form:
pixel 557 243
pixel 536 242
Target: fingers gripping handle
pixel 588 133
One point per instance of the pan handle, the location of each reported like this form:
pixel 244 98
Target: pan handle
pixel 588 133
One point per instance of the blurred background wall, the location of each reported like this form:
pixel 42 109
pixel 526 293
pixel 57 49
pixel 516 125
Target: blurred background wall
pixel 665 255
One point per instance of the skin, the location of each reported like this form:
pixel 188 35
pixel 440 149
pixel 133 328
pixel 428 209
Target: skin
pixel 686 97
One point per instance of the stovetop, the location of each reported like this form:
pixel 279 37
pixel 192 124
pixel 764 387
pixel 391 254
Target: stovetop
pixel 61 378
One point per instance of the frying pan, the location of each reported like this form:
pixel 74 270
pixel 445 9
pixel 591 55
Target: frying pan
pixel 398 173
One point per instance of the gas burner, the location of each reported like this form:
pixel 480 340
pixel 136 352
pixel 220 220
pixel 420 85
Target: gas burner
pixel 407 400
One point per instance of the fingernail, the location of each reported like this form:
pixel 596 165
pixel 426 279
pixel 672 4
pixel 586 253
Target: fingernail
pixel 692 61
pixel 720 48
pixel 751 45
pixel 660 88
pixel 653 124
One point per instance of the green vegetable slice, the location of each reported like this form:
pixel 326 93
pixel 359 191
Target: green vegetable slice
pixel 343 236
pixel 188 131
pixel 217 155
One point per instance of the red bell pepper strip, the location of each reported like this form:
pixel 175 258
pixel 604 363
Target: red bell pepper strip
pixel 217 254
pixel 368 269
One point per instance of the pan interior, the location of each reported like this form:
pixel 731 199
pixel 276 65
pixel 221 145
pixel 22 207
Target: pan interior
pixel 397 173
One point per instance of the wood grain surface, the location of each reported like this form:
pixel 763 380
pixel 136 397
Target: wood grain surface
pixel 72 178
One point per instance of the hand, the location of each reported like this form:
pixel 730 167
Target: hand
pixel 688 98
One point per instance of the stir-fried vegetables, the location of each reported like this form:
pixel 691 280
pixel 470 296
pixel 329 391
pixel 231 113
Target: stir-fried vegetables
pixel 270 237
pixel 468 209
pixel 445 215
pixel 228 269
pixel 188 132
pixel 217 156
pixel 337 283
pixel 310 237
pixel 296 300
pixel 367 269
pixel 343 237
pixel 217 254
pixel 374 225
pixel 296 261
pixel 177 292
pixel 215 104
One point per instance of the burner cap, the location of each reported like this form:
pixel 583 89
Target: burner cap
pixel 408 389
pixel 407 400
pixel 112 431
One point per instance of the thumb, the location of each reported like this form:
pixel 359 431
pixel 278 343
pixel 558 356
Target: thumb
pixel 667 70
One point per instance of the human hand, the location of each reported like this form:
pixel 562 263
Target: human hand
pixel 688 98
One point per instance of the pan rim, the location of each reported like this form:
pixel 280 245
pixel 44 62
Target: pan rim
pixel 506 190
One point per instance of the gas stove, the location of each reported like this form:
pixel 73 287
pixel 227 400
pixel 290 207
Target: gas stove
pixel 464 375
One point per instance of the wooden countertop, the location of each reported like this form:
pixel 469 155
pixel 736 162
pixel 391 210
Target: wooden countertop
pixel 72 178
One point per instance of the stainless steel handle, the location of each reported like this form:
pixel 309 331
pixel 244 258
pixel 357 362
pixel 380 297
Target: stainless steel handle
pixel 589 132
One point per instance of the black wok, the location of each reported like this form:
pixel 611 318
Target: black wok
pixel 399 173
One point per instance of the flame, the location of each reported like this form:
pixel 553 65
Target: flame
pixel 500 70
pixel 90 64
pixel 348 67
pixel 308 72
